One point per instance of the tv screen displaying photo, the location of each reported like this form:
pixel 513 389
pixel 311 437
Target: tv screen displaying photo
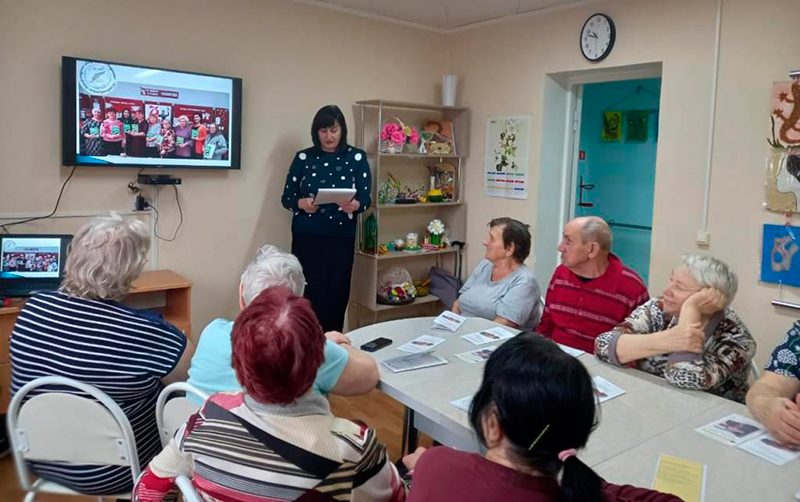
pixel 134 116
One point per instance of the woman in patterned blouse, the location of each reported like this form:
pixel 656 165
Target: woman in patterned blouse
pixel 166 139
pixel 774 398
pixel 695 340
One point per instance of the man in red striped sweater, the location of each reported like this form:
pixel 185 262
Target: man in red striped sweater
pixel 592 291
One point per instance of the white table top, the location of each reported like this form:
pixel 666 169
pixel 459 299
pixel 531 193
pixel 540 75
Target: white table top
pixel 651 418
pixel 731 474
pixel 428 391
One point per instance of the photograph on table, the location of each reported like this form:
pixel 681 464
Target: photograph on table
pixel 778 261
pixel 732 430
pixel 478 355
pixel 421 344
pixel 488 336
pixel 605 390
pixel 770 449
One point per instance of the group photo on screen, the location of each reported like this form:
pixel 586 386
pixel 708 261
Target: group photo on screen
pixel 128 114
pixel 30 262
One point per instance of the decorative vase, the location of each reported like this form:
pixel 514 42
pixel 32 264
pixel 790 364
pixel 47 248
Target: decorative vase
pixel 436 239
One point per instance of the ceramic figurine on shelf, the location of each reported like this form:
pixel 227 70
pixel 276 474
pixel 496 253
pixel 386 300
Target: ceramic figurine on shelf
pixel 412 242
pixel 383 249
pixel 399 244
pixel 426 136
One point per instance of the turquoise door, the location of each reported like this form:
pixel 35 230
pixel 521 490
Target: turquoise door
pixel 616 163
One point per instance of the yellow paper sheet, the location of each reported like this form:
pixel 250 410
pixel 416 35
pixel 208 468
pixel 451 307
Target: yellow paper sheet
pixel 683 478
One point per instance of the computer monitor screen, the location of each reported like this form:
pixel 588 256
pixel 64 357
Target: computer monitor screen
pixel 31 257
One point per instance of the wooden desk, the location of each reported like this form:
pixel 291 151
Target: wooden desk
pixel 176 307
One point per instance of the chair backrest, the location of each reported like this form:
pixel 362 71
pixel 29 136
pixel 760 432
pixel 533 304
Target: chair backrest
pixel 172 413
pixel 754 371
pixel 58 426
pixel 187 490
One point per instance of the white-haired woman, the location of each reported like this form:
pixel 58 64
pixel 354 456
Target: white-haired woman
pixel 83 332
pixel 345 370
pixel 184 146
pixel 695 341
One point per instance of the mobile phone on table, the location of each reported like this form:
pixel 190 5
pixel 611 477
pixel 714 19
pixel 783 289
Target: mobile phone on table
pixel 376 344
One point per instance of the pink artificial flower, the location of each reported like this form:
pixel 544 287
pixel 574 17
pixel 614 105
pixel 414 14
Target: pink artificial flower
pixel 384 134
pixel 414 138
pixel 399 137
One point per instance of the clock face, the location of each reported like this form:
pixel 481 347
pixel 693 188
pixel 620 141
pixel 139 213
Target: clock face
pixel 597 37
pixel 98 78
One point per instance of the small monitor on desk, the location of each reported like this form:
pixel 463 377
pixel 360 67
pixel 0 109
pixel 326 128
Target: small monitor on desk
pixel 31 263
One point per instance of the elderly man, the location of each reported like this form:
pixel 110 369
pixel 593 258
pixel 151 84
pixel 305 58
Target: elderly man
pixel 345 371
pixel 774 399
pixel 592 291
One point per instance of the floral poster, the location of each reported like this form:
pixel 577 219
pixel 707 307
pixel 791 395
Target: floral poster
pixel 507 156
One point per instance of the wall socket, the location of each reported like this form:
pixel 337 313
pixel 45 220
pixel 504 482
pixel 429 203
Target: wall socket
pixel 140 203
pixel 703 238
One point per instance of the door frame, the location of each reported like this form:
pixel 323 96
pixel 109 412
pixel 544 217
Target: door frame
pixel 563 95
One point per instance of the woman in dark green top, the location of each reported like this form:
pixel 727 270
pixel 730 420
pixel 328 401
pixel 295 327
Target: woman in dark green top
pixel 323 236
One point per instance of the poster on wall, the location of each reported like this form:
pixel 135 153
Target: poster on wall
pixel 783 181
pixel 612 126
pixel 785 115
pixel 507 155
pixel 778 261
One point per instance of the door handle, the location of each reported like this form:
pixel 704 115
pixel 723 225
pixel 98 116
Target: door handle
pixel 584 186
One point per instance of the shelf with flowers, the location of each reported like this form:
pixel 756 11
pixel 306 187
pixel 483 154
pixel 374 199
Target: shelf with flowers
pixel 416 163
pixel 396 137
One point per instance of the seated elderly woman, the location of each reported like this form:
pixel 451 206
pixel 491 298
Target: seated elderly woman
pixel 276 440
pixel 345 371
pixel 502 288
pixel 533 410
pixel 694 340
pixel 774 399
pixel 83 332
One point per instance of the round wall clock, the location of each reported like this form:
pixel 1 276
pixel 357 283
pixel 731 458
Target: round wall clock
pixel 597 37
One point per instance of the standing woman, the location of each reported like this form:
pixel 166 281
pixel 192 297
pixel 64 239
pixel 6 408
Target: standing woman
pixel 112 133
pixel 151 144
pixel 199 133
pixel 135 144
pixel 127 120
pixel 91 143
pixel 184 146
pixel 323 236
pixel 166 140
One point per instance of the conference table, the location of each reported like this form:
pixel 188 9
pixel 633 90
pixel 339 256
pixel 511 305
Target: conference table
pixel 651 418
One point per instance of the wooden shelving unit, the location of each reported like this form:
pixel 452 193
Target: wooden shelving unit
pixel 396 220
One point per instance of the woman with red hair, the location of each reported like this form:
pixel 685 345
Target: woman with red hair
pixel 276 440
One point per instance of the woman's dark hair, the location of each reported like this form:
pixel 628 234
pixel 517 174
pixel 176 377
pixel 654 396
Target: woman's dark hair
pixel 544 402
pixel 326 117
pixel 517 233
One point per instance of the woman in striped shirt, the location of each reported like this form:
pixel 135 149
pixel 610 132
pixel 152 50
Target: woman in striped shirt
pixel 83 332
pixel 277 440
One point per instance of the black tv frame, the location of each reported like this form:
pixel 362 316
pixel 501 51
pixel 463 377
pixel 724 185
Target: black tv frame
pixel 69 110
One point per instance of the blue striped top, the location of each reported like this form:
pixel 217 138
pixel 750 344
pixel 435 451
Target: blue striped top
pixel 122 351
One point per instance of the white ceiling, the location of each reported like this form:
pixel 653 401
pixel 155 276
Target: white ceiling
pixel 440 15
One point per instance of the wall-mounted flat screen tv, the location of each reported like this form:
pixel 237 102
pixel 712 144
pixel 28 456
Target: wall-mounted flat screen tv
pixel 121 115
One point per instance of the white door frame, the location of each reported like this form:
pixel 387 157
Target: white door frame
pixel 563 95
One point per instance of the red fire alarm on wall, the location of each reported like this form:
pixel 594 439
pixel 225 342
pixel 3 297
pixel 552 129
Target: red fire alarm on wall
pixel 582 155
